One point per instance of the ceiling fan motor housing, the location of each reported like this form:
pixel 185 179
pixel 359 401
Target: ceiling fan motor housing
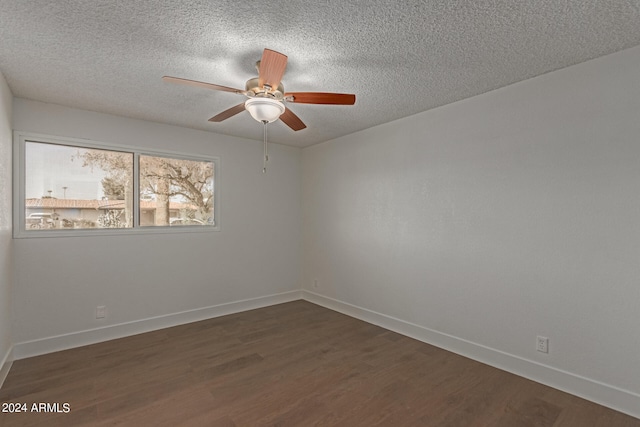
pixel 254 90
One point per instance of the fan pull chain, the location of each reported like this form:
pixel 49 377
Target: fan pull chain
pixel 266 154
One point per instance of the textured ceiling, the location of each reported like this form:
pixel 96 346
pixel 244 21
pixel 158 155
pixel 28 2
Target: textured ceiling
pixel 399 58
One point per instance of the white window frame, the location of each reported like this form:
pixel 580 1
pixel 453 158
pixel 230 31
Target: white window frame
pixel 20 139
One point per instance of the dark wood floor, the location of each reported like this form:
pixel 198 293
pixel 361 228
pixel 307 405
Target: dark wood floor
pixel 293 364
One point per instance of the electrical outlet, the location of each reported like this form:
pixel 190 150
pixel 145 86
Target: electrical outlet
pixel 542 344
pixel 101 312
pixel 315 283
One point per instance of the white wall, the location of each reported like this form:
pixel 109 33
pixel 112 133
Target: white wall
pixel 168 278
pixel 487 222
pixel 5 227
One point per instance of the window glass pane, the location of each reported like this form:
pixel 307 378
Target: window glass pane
pixel 70 187
pixel 176 192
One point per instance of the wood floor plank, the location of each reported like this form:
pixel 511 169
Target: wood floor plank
pixel 294 364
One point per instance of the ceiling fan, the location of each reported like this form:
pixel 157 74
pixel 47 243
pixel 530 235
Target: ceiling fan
pixel 266 94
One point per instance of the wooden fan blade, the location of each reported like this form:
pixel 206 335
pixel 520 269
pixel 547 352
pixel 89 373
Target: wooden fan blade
pixel 228 113
pixel 272 66
pixel 322 98
pixel 292 120
pixel 200 84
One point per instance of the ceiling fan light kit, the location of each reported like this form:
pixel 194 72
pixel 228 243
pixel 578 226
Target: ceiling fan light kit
pixel 264 110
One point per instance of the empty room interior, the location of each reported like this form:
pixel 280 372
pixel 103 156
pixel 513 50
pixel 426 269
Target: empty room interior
pixel 437 222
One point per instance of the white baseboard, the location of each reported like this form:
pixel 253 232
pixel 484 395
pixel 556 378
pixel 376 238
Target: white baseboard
pixel 604 394
pixel 5 365
pixel 77 339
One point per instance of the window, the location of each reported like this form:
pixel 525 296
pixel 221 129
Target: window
pixel 69 187
pixel 175 192
pixel 74 187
